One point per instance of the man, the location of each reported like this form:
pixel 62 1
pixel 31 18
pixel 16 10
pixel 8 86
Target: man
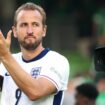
pixel 100 83
pixel 86 94
pixel 36 75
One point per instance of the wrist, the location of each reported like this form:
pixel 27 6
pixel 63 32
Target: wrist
pixel 5 57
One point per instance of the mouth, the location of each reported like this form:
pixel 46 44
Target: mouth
pixel 29 37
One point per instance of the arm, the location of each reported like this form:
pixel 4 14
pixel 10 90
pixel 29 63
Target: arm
pixel 30 86
pixel 33 88
pixel 8 42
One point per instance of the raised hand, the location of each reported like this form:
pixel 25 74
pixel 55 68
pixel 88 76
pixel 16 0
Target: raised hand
pixel 5 43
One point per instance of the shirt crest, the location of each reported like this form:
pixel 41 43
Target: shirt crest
pixel 35 72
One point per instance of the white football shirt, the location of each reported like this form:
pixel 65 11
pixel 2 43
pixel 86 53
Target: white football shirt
pixel 48 64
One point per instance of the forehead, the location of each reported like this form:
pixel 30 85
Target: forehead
pixel 29 14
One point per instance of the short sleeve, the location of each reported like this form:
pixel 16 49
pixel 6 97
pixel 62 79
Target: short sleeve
pixel 57 71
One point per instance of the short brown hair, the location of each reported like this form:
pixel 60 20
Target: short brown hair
pixel 30 6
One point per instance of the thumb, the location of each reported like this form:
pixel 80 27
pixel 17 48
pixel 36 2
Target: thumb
pixel 8 38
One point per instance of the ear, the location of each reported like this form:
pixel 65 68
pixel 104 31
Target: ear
pixel 44 30
pixel 14 31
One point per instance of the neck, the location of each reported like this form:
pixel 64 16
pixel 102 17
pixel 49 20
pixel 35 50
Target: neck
pixel 27 55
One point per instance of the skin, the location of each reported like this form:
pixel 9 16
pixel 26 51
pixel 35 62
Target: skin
pixel 83 100
pixel 101 85
pixel 27 22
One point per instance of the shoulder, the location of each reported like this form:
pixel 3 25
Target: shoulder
pixel 60 67
pixel 58 60
pixel 53 55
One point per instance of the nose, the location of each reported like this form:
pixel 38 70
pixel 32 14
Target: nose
pixel 29 30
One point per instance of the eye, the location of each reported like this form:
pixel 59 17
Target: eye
pixel 23 24
pixel 35 24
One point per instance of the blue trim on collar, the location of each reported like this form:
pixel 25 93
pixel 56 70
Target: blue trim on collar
pixel 42 54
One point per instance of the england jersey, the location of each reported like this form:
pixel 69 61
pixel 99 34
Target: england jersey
pixel 48 64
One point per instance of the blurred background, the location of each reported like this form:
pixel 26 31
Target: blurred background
pixel 75 28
